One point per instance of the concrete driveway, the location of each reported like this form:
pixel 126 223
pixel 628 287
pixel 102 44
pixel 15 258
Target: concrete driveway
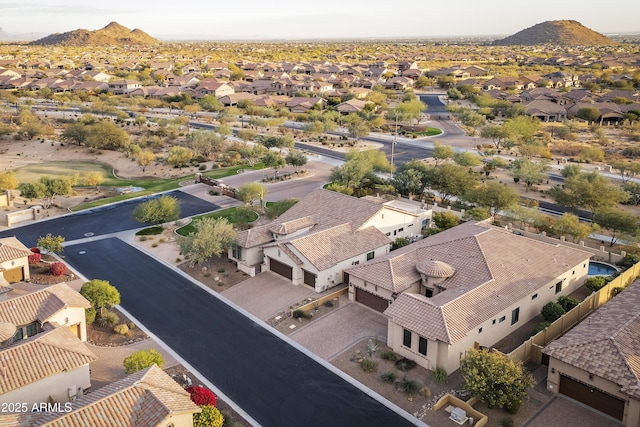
pixel 337 331
pixel 267 294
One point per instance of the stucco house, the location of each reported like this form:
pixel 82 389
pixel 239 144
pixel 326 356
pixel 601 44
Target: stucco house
pixel 597 362
pixel 215 88
pixel 148 398
pixel 124 86
pixel 14 260
pixel 470 285
pixel 323 234
pixel 43 356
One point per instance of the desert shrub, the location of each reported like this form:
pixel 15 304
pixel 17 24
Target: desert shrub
pixel 131 325
pixel 425 392
pixel 388 354
pixel 142 359
pixel 369 365
pixel 201 395
pixel 568 303
pixel 617 290
pixel 35 258
pixel 595 283
pixel 507 422
pixel 405 364
pixel 210 416
pixel 540 326
pixel 121 329
pixel 409 386
pixel 328 304
pixel 552 311
pixel 154 245
pixel 143 238
pixel 108 319
pixel 90 315
pixel 629 260
pixel 58 268
pixel 440 376
pixel 388 377
pixel 299 314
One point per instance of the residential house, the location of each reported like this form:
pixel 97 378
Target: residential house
pixel 546 111
pixel 14 260
pixel 596 362
pixel 351 106
pixel 217 89
pixel 470 285
pixel 609 111
pixel 47 328
pixel 398 83
pixel 148 398
pixel 323 234
pixel 304 104
pixel 123 86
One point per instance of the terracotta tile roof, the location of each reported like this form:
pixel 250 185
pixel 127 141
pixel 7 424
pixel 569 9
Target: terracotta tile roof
pixel 327 207
pixel 40 305
pixel 48 353
pixel 493 269
pixel 144 399
pixel 11 248
pixel 607 343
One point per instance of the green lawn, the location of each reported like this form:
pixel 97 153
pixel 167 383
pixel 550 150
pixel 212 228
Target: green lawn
pixel 230 213
pixel 428 132
pixel 60 169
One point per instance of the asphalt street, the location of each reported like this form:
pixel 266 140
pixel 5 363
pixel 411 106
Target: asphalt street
pixel 271 380
pixel 102 220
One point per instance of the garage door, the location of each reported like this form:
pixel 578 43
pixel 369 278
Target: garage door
pixel 309 278
pixel 592 397
pixel 371 300
pixel 14 275
pixel 280 268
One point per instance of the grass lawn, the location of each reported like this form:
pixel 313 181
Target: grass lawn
pixel 230 213
pixel 60 169
pixel 428 132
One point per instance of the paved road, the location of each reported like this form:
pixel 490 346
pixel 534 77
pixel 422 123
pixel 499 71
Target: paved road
pixel 103 220
pixel 275 383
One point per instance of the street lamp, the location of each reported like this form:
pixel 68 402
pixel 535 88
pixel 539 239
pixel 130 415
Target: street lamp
pixel 393 144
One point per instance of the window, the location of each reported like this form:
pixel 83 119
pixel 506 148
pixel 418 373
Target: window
pixel 422 346
pixel 558 287
pixel 18 335
pixel 502 319
pixel 534 296
pixel 428 293
pixel 400 230
pixel 493 322
pixel 387 234
pixel 515 316
pixel 32 329
pixel 406 339
pixel 479 330
pixel 371 255
pixel 236 252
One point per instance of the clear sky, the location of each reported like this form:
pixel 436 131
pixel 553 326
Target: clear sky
pixel 287 19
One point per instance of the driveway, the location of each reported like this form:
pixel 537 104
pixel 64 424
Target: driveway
pixel 337 331
pixel 277 384
pixel 561 410
pixel 266 294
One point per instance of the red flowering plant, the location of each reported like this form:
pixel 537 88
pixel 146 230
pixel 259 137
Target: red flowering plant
pixel 201 395
pixel 34 258
pixel 35 250
pixel 58 268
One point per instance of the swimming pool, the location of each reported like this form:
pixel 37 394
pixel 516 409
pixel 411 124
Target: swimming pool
pixel 597 268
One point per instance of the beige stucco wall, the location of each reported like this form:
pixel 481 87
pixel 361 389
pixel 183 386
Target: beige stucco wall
pixel 72 316
pixel 15 263
pixel 250 256
pixel 181 420
pixel 391 220
pixel 56 386
pixel 448 356
pixel 557 367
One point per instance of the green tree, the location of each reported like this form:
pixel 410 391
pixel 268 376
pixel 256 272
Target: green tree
pixel 93 179
pixel 101 294
pixel 8 180
pixel 522 127
pixel 142 359
pixel 589 114
pixel 247 134
pixel 408 182
pixel 358 128
pixel 467 158
pixel 570 170
pixel 211 238
pixel 209 416
pixel 205 143
pixel 496 133
pixel 251 153
pixel 144 158
pixel 496 379
pixel 450 181
pixel 589 190
pixel 529 172
pixel 552 311
pixel 50 243
pixel 493 195
pixel 273 160
pixel 313 129
pixel 618 222
pixel 626 168
pixel 46 189
pixel 76 133
pixel 157 211
pixel 179 156
pixel 569 224
pixel 271 141
pixel 442 152
pixel 296 159
pixel 445 220
pixel 399 243
pixel 105 135
pixel 251 192
pixel 411 109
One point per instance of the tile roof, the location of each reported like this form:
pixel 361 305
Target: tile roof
pixel 607 343
pixel 11 248
pixel 327 207
pixel 40 305
pixel 144 399
pixel 493 270
pixel 43 355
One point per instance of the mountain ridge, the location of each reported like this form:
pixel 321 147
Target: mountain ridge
pixel 562 32
pixel 112 34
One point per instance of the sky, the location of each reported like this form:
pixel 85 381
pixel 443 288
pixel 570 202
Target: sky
pixel 304 19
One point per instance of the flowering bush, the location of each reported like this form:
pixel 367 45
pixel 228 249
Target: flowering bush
pixel 201 395
pixel 57 268
pixel 209 417
pixel 34 258
pixel 35 250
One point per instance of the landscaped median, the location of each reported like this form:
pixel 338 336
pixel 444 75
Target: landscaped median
pixel 235 215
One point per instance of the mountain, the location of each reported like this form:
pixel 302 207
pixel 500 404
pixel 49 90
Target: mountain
pixel 563 33
pixel 113 34
pixel 14 37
